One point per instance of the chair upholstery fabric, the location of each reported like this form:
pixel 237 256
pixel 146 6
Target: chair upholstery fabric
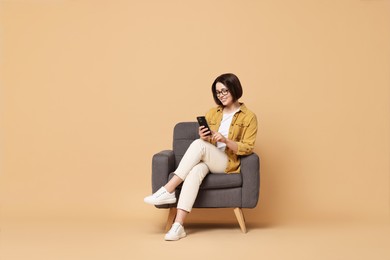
pixel 218 190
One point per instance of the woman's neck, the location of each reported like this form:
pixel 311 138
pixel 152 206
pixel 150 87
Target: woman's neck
pixel 232 107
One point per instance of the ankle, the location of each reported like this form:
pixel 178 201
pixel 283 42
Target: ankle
pixel 168 189
pixel 180 222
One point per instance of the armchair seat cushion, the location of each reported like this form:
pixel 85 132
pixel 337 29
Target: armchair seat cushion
pixel 219 181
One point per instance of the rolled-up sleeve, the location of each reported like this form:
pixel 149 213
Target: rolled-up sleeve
pixel 247 142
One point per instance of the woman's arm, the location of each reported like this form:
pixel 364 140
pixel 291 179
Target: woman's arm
pixel 247 142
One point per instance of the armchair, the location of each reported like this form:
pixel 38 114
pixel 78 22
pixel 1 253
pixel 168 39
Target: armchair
pixel 219 190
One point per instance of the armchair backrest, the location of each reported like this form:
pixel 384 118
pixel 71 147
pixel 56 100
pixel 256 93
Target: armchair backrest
pixel 184 134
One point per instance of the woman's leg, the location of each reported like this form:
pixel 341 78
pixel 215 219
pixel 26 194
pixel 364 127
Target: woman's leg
pixel 173 183
pixel 201 158
pixel 188 194
pixel 201 151
pixel 181 216
pixel 190 188
pixel 198 151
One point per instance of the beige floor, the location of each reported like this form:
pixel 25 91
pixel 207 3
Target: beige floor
pixel 141 239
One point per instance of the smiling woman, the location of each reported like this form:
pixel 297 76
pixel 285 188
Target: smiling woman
pixel 233 131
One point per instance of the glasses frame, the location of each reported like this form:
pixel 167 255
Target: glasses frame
pixel 222 93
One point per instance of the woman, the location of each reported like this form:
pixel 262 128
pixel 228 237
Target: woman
pixel 232 134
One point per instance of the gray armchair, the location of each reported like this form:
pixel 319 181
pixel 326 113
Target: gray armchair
pixel 217 190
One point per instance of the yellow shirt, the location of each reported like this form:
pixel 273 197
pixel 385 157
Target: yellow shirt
pixel 243 130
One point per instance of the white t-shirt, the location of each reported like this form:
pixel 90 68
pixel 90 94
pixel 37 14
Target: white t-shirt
pixel 224 128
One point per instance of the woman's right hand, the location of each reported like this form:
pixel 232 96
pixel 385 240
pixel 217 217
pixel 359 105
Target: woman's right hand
pixel 204 133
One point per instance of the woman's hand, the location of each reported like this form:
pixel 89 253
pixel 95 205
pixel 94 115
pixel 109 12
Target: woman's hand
pixel 218 137
pixel 204 133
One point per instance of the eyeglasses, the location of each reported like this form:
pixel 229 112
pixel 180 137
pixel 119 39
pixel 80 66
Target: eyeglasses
pixel 223 92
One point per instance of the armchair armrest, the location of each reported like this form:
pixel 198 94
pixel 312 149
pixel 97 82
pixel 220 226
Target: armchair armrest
pixel 250 170
pixel 163 163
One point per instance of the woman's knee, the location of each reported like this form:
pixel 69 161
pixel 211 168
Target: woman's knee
pixel 198 142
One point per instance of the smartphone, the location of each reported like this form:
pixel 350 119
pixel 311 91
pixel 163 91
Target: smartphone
pixel 202 122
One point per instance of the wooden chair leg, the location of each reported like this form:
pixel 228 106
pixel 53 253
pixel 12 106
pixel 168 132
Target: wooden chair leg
pixel 240 218
pixel 171 218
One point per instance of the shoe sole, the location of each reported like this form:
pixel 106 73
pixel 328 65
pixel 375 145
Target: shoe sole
pixel 170 201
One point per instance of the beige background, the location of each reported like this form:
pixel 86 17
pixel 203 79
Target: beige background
pixel 90 90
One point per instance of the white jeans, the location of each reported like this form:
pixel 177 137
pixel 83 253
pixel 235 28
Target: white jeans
pixel 200 159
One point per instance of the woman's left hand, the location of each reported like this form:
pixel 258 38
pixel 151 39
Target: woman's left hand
pixel 218 137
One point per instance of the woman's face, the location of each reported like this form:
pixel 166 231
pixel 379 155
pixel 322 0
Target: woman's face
pixel 223 94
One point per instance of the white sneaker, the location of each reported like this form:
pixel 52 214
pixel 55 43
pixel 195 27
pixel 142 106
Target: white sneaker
pixel 175 233
pixel 160 197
